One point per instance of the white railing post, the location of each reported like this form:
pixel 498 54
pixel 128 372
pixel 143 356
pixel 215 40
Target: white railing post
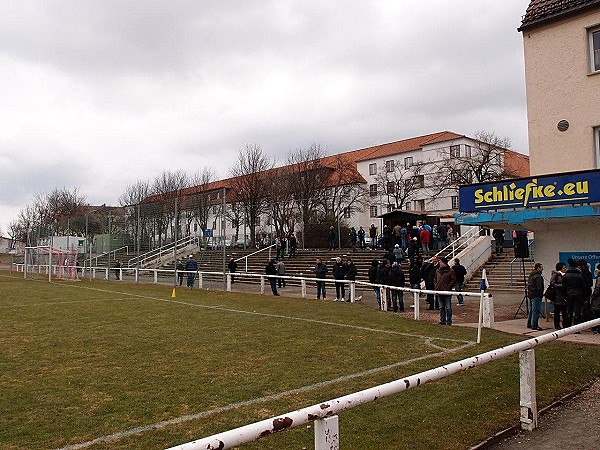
pixel 137 275
pixel 262 284
pixel 527 390
pixel 228 282
pixel 120 274
pixel 303 286
pixel 327 433
pixel 417 307
pixel 352 291
pixel 200 281
pixel 383 296
pixel 488 311
pixel 106 274
pixel 155 276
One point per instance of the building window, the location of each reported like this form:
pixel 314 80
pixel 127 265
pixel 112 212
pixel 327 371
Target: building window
pixel 467 151
pixel 373 169
pixel 455 151
pixel 597 146
pixel 407 206
pixel 391 187
pixel 419 181
pixel 454 201
pixel 408 162
pixel 420 205
pixel 346 213
pixel 373 190
pixel 389 165
pixel 594 37
pixel 373 211
pixel 390 208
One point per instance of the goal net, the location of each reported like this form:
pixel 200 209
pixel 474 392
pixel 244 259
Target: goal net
pixel 60 264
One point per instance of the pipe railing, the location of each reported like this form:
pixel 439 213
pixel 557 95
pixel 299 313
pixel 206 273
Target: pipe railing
pixel 245 258
pixel 166 249
pixel 324 414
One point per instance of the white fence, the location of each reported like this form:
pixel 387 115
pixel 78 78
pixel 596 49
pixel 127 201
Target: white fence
pixel 326 422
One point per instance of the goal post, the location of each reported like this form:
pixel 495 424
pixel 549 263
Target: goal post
pixel 57 263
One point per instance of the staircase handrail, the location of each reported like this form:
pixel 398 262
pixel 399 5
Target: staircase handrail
pixel 255 253
pixel 163 250
pixel 114 253
pixel 460 242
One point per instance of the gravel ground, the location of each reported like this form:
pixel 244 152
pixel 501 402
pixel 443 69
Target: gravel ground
pixel 574 424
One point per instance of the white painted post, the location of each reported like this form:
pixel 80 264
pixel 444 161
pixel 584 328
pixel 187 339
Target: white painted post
pixel 228 282
pixel 417 307
pixel 528 402
pixel 327 433
pixel 137 275
pixel 155 276
pixel 352 291
pixel 262 284
pixel 488 311
pixel 383 294
pixel 120 274
pixel 200 280
pixel 303 286
pixel 106 274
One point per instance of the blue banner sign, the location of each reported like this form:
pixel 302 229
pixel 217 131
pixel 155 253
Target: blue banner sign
pixel 207 233
pixel 547 190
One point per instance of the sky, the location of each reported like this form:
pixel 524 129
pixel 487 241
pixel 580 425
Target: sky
pixel 98 94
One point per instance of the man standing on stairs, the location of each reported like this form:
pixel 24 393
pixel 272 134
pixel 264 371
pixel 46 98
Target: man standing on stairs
pixel 460 272
pixel 498 235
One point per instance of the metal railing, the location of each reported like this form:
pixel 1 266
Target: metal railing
pixel 458 244
pixel 326 422
pixel 112 252
pixel 245 258
pixel 166 250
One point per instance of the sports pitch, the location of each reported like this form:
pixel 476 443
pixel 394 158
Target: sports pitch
pixel 108 365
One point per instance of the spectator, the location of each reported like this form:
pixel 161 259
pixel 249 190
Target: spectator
pixel 413 248
pixel 445 280
pixel 117 269
pixel 232 266
pixel 321 272
pixel 361 238
pixel 293 244
pixel 339 273
pixel 595 300
pixel 573 291
pixel 588 283
pixel 443 231
pixel 398 254
pixel 180 268
pixel 353 238
pixel 331 238
pixel 280 266
pixel 404 238
pixel 271 270
pixel 535 291
pixel 373 236
pixel 397 280
pixel 374 280
pixel 191 267
pixel 425 236
pixel 435 238
pixel 459 272
pixel 555 289
pixel 351 272
pixel 428 270
pixel 498 235
pixel 414 273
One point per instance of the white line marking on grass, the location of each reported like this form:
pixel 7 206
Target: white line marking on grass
pixel 254 401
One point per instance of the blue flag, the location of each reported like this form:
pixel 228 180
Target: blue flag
pixel 484 282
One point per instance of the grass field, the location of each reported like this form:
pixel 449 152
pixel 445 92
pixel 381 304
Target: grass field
pixel 106 365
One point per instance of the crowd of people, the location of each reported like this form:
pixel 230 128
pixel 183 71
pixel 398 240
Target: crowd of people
pixel 571 291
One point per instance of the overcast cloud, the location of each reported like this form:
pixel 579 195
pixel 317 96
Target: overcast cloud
pixel 97 94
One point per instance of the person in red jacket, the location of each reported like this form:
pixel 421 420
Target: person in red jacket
pixel 425 237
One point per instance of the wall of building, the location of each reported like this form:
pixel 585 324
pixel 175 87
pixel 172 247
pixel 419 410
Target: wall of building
pixel 560 87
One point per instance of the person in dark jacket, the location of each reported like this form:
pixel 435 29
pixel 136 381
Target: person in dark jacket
pixel 535 292
pixel 373 236
pixel 414 273
pixel 460 272
pixel 351 272
pixel 272 270
pixel 413 248
pixel 191 266
pixel 180 269
pixel 573 291
pixel 397 280
pixel 331 238
pixel 339 273
pixel 374 280
pixel 588 284
pixel 232 266
pixel 321 272
pixel 445 280
pixel 559 301
pixel 428 270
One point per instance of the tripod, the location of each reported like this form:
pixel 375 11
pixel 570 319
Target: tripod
pixel 525 300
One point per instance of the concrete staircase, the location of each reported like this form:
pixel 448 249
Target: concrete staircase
pixel 499 273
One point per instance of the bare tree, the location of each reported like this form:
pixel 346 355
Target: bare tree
pixel 345 190
pixel 400 183
pixel 250 183
pixel 167 188
pixel 307 177
pixel 131 200
pixel 198 200
pixel 282 208
pixel 484 162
